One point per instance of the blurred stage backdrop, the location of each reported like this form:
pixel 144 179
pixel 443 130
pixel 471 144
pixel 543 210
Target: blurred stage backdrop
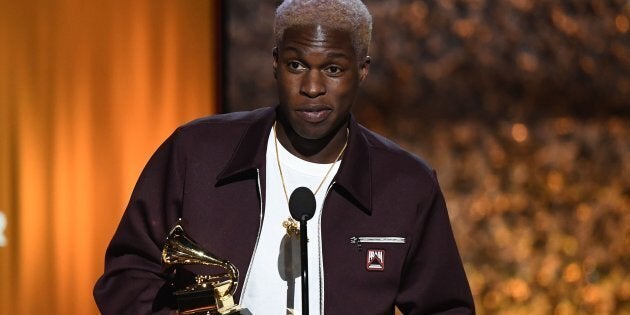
pixel 522 106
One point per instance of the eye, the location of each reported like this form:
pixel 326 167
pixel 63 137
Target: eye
pixel 334 70
pixel 295 66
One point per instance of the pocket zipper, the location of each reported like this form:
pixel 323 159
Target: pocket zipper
pixel 376 239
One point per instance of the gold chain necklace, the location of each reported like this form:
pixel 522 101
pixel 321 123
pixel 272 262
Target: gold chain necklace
pixel 290 224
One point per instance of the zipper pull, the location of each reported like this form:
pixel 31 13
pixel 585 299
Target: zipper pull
pixel 356 240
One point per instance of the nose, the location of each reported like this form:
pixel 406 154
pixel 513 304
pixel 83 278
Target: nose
pixel 313 84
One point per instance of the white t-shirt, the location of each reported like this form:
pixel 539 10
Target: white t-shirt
pixel 273 284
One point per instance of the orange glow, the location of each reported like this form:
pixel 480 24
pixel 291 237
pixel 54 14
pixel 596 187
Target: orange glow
pixel 622 23
pixel 519 132
pixel 572 273
pixel 88 90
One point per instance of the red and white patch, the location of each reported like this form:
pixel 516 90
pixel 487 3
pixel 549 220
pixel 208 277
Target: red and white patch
pixel 375 260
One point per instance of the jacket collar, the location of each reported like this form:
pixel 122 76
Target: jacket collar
pixel 355 172
pixel 353 180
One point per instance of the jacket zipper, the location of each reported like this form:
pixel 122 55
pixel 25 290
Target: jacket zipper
pixel 321 254
pixel 376 240
pixel 262 216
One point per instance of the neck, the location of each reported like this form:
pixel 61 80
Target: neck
pixel 325 150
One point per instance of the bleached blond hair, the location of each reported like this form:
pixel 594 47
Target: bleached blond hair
pixel 347 15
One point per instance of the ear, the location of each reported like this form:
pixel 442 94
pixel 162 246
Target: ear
pixel 275 62
pixel 365 68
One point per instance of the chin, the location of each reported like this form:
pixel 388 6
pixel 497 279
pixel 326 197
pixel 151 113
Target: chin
pixel 312 133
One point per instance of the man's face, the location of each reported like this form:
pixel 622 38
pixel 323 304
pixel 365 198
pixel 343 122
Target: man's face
pixel 318 75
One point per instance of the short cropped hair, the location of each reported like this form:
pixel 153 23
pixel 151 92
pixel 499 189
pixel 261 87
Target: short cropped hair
pixel 346 15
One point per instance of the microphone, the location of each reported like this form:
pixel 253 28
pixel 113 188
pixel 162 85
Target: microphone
pixel 302 204
pixel 302 207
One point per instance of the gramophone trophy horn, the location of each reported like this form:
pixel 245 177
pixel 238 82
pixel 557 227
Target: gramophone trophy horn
pixel 212 294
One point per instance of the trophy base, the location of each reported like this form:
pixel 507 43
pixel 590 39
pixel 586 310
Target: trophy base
pixel 196 302
pixel 210 312
pixel 201 302
pixel 199 312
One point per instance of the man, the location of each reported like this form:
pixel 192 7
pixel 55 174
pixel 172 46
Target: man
pixel 380 236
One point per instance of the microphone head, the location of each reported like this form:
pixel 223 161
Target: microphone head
pixel 302 203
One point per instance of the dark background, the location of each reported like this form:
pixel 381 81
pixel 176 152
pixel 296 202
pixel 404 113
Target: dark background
pixel 523 108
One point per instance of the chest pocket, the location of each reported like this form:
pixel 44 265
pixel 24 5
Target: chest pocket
pixel 379 253
pixel 363 269
pixel 372 240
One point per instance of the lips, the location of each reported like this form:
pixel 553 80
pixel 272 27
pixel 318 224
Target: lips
pixel 315 114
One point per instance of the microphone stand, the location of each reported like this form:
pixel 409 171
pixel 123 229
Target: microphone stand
pixel 302 206
pixel 304 254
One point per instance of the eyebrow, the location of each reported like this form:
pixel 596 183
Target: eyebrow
pixel 337 55
pixel 331 54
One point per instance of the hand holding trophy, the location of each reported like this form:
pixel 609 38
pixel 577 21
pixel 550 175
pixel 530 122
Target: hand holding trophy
pixel 212 294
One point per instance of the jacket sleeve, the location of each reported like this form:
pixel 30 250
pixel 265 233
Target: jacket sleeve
pixel 133 281
pixel 433 280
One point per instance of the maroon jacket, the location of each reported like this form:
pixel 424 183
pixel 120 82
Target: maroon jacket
pixel 211 173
